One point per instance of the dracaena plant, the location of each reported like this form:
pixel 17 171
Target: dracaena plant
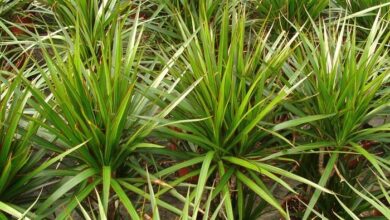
pixel 347 82
pixel 101 102
pixel 96 211
pixel 284 13
pixel 366 10
pixel 93 19
pixel 14 148
pixel 22 35
pixel 191 9
pixel 21 165
pixel 226 114
pixel 8 7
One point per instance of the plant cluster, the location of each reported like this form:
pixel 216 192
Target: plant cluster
pixel 209 109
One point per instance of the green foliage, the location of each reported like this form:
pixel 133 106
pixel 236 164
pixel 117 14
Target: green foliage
pixel 20 165
pixel 9 6
pixel 165 109
pixel 14 150
pixel 344 78
pixel 101 102
pixel 366 19
pixel 90 21
pixel 286 12
pixel 239 90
